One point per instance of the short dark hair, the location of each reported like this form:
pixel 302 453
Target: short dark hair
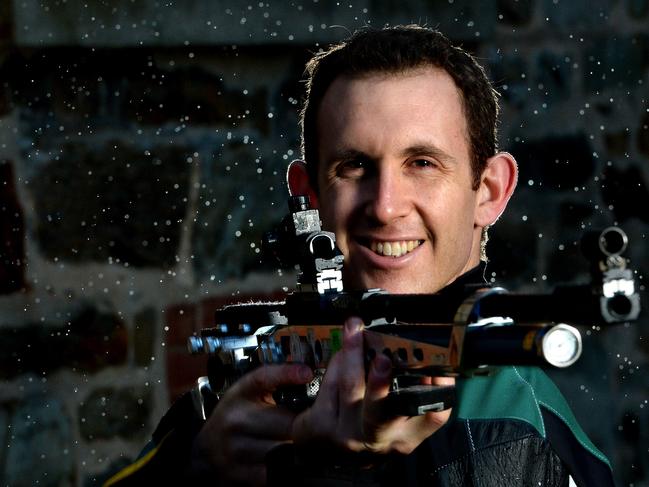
pixel 393 50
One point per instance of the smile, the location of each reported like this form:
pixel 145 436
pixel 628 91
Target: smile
pixel 395 248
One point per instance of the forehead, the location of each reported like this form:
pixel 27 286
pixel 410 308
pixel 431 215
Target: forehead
pixel 379 110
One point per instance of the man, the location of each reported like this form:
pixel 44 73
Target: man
pixel 399 141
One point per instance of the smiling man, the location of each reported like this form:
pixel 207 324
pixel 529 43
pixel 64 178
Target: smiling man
pixel 395 178
pixel 399 142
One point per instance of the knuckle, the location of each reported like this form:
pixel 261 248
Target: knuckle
pixel 403 447
pixel 261 377
pixel 350 388
pixel 437 420
pixel 233 420
pixel 353 445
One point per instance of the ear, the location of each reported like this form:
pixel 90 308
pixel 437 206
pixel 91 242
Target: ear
pixel 299 182
pixel 497 184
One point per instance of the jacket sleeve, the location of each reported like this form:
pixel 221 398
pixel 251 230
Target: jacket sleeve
pixel 165 460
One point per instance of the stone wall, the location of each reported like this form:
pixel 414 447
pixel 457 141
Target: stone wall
pixel 142 155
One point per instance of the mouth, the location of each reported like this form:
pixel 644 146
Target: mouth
pixel 391 248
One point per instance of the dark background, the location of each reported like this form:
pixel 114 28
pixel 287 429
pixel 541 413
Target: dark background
pixel 142 154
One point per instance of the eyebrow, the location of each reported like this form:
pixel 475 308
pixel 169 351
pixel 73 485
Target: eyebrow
pixel 346 155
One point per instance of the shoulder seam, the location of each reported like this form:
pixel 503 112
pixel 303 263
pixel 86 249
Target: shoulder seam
pixel 536 401
pixel 468 429
pixel 595 453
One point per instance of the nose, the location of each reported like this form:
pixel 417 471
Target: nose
pixel 388 196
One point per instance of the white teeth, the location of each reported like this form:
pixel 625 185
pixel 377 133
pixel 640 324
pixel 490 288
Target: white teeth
pixel 394 249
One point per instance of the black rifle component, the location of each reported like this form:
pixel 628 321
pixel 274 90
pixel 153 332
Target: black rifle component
pixel 299 240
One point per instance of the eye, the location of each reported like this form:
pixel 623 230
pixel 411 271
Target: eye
pixel 355 167
pixel 423 163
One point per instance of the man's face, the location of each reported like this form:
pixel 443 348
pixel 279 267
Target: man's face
pixel 395 182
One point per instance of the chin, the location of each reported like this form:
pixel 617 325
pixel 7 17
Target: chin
pixel 392 284
pixel 409 288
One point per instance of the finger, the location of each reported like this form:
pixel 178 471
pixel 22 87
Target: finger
pixel 272 422
pixel 405 434
pixel 443 381
pixel 268 378
pixel 438 381
pixel 352 387
pixel 379 379
pixel 344 381
pixel 335 413
pixel 326 402
pixel 433 421
pixel 425 425
pixel 430 422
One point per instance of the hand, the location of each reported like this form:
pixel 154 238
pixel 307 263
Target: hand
pixel 347 410
pixel 245 425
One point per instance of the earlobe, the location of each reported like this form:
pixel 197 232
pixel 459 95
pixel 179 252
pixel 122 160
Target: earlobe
pixel 299 182
pixel 496 187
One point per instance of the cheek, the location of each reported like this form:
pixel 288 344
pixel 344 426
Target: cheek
pixel 463 223
pixel 328 211
pixel 448 216
pixel 334 208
